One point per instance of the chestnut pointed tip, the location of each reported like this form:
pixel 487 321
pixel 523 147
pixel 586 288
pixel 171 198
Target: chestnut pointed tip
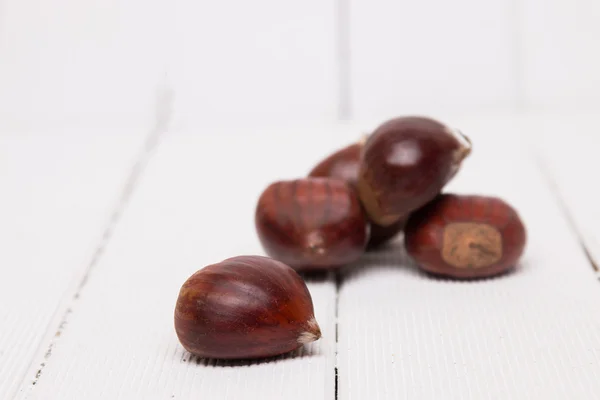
pixel 465 144
pixel 312 333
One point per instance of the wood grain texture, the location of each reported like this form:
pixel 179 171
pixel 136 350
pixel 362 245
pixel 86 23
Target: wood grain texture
pixel 257 62
pixel 119 341
pixel 567 150
pixel 58 193
pixel 529 334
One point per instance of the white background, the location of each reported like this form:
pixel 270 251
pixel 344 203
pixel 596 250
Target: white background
pixel 66 63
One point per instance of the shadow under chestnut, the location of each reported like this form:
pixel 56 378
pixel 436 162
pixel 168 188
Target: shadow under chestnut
pixel 307 350
pixel 302 352
pixel 389 255
pixel 393 255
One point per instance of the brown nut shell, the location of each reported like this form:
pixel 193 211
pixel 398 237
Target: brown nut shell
pixel 465 236
pixel 245 307
pixel 405 163
pixel 344 164
pixel 311 223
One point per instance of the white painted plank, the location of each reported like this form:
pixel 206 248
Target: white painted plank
pixel 431 56
pixel 58 191
pixel 193 207
pixel 530 334
pixel 239 62
pixel 560 53
pixel 69 63
pixel 568 148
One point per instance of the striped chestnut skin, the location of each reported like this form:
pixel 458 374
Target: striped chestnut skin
pixel 245 307
pixel 311 223
pixel 463 236
pixel 344 164
pixel 405 163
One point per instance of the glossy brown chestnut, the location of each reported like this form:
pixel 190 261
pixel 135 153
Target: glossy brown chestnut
pixel 344 164
pixel 405 163
pixel 465 236
pixel 311 223
pixel 245 307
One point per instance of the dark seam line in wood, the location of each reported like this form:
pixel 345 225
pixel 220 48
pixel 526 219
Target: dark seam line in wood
pixel 564 209
pixel 338 284
pixel 344 100
pixel 163 115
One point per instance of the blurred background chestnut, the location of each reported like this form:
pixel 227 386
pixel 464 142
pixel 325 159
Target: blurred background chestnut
pixel 344 164
pixel 245 307
pixel 311 223
pixel 465 236
pixel 405 163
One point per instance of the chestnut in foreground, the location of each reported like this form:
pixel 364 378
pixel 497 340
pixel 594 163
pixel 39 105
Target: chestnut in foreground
pixel 311 223
pixel 405 163
pixel 465 236
pixel 344 164
pixel 245 307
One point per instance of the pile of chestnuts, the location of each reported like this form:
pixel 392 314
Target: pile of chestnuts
pixel 355 200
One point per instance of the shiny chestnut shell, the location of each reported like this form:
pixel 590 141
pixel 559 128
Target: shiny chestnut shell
pixel 405 163
pixel 465 236
pixel 245 307
pixel 311 223
pixel 344 164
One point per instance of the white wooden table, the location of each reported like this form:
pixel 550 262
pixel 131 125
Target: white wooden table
pixel 100 230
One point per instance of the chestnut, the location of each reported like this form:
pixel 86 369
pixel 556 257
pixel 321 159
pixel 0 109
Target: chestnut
pixel 311 223
pixel 405 163
pixel 243 308
pixel 344 164
pixel 464 236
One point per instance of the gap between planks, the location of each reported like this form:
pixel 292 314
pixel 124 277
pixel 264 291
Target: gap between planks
pixel 540 159
pixel 338 283
pixel 153 138
pixel 554 188
pixel 163 114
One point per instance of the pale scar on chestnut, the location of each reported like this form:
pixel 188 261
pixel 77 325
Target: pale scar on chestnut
pixel 471 245
pixel 371 200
